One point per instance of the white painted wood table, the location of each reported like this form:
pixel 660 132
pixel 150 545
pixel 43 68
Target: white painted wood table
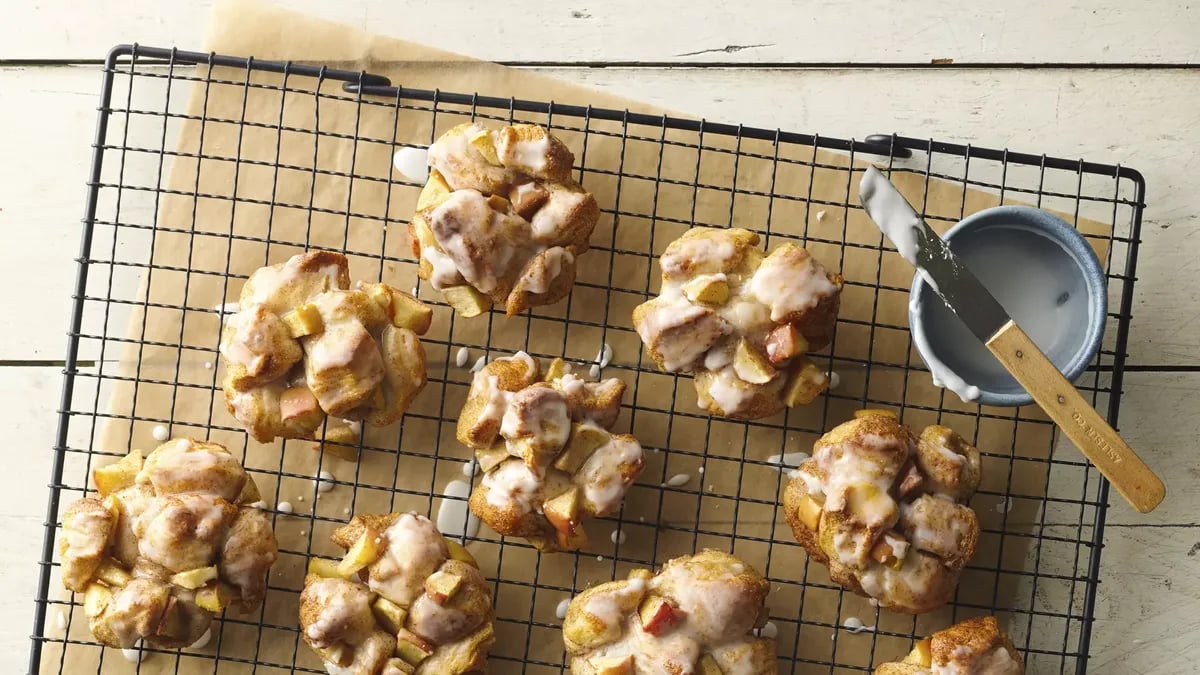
pixel 1109 81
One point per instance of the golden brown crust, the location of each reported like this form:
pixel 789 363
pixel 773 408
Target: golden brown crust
pixel 862 506
pixel 697 614
pixel 549 460
pixel 173 541
pixel 405 601
pixel 741 321
pixel 976 646
pixel 303 345
pixel 500 219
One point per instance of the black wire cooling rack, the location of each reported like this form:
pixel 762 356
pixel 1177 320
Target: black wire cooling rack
pixel 1041 507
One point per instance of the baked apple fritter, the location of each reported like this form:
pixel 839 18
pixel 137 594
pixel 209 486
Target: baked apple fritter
pixel 500 219
pixel 172 541
pixel 303 345
pixel 403 600
pixel 972 647
pixel 544 445
pixel 741 321
pixel 887 510
pixel 695 616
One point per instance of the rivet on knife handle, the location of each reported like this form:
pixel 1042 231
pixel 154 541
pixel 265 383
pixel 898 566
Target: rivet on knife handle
pixel 1082 424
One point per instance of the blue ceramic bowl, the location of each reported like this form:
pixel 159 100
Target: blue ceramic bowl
pixel 1046 276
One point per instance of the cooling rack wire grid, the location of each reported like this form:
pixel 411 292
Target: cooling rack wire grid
pixel 152 274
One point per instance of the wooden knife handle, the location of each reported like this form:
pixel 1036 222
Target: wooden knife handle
pixel 1079 420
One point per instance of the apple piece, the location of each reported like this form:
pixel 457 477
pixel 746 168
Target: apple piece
pixel 111 573
pixel 482 141
pixel 460 553
pixel 639 573
pixel 870 505
pixel 563 511
pixel 96 599
pixel 297 402
pixel 391 615
pixel 921 655
pixel 338 655
pixel 250 493
pixel 216 597
pixel 809 512
pixel 193 579
pixel 436 189
pixel 527 198
pixel 325 568
pixel 910 482
pixel 409 312
pixel 806 383
pixel 304 320
pixel 467 301
pixel 750 365
pixel 612 665
pixel 884 554
pixel 556 369
pixel 498 203
pixel 659 616
pixel 397 666
pixel 490 458
pixel 709 289
pixel 709 666
pixel 342 434
pixel 118 475
pixel 573 540
pixel 412 647
pixel 783 343
pixel 441 586
pixel 365 551
pixel 585 439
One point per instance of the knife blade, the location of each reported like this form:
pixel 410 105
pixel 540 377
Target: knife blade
pixel 961 290
pixel 967 297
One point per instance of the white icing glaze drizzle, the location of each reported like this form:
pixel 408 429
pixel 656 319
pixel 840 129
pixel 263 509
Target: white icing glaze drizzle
pixel 454 520
pixel 788 459
pixel 527 155
pixel 412 163
pixel 415 549
pixel 890 212
pixel 686 333
pixel 499 249
pixel 538 278
pixel 679 480
pixel 536 423
pixel 203 640
pixel 790 281
pixel 602 477
pixel 940 373
pixel 546 223
pixel 444 270
pixel 133 654
pixel 561 610
pixel 856 625
pixel 513 485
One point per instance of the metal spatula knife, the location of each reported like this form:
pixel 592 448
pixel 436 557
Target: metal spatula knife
pixel 966 296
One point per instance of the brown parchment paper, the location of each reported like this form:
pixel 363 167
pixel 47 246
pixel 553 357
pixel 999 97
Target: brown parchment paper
pixel 728 505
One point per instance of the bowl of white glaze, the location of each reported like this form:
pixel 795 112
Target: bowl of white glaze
pixel 1045 275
